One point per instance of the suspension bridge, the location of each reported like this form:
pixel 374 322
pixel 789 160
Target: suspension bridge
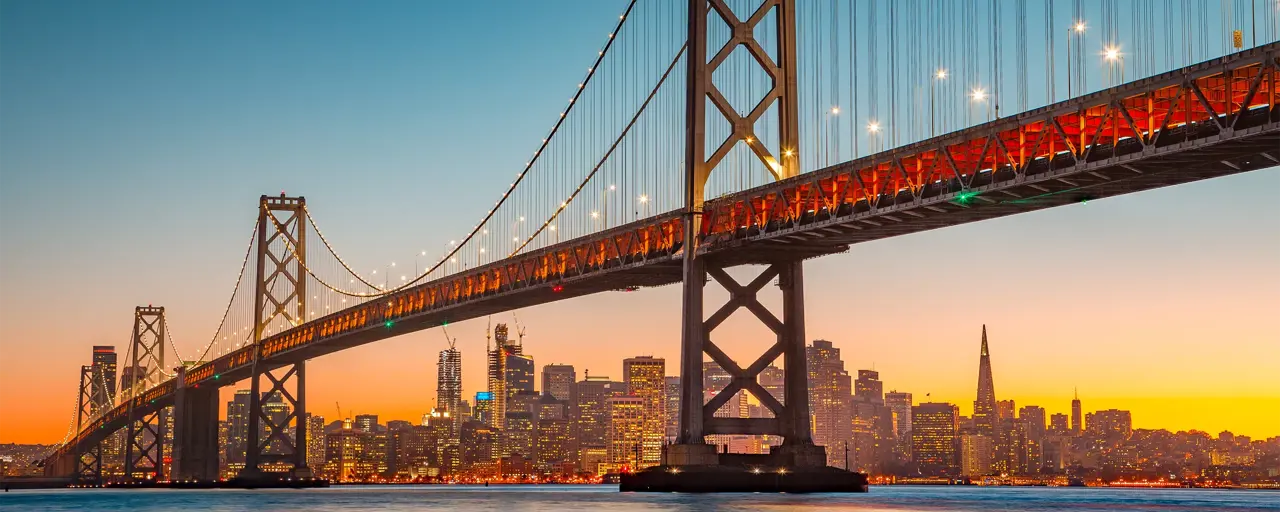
pixel 707 135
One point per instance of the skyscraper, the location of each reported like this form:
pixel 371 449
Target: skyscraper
pixel 672 385
pixel 449 380
pixel 1058 424
pixel 1077 418
pixel 868 387
pixel 626 432
pixel 557 381
pixel 899 405
pixel 367 422
pixel 1111 424
pixel 933 438
pixel 553 435
pixel 872 434
pixel 591 421
pixel 985 415
pixel 498 358
pixel 646 379
pixel 238 427
pixel 830 394
pixel 1032 419
pixel 103 388
pixel 975 455
pixel 483 411
pixel 315 443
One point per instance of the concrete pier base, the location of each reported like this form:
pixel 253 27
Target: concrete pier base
pixel 727 478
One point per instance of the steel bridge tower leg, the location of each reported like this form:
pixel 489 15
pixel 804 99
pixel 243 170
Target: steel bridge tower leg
pixel 791 415
pixel 148 423
pixel 280 294
pixel 88 465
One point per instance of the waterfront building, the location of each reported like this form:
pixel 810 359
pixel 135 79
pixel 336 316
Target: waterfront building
pixel 975 455
pixel 626 433
pixel 933 438
pixel 645 378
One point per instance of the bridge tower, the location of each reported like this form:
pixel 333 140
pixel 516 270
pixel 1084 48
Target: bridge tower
pixel 281 293
pixel 791 413
pixel 144 440
pixel 88 463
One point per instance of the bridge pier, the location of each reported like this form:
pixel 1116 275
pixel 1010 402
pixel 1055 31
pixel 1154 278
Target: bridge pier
pixel 195 431
pixel 791 414
pixel 284 455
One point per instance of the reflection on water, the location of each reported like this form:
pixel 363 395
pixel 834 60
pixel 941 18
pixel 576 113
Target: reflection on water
pixel 553 498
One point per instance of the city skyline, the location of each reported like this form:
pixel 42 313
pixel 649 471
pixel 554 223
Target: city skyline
pixel 554 433
pixel 1126 299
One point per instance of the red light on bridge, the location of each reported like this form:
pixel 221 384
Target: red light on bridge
pixel 557 288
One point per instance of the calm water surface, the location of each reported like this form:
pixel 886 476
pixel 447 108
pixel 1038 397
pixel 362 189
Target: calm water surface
pixel 607 498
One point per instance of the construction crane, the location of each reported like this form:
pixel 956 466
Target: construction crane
pixel 519 329
pixel 451 341
pixel 339 407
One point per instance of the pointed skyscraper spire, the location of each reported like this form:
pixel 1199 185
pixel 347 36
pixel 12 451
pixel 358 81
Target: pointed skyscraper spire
pixel 984 408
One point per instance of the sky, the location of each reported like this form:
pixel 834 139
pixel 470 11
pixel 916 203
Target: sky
pixel 136 137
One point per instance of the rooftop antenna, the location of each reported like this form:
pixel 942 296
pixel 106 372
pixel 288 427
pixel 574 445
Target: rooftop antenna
pixel 488 334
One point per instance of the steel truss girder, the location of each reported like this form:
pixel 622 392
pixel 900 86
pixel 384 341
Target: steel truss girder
pixel 1138 120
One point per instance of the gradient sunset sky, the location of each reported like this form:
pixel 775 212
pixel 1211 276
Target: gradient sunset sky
pixel 136 137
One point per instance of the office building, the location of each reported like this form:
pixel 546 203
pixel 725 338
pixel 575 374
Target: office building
pixel 975 455
pixel 558 380
pixel 498 353
pixel 483 411
pixel 237 427
pixel 449 380
pixel 315 443
pixel 626 433
pixel 103 374
pixel 830 393
pixel 672 391
pixel 933 438
pixel 1110 424
pixel 592 419
pixel 645 378
pixel 1077 418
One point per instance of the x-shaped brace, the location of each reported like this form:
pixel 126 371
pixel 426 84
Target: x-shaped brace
pixel 274 430
pixel 743 379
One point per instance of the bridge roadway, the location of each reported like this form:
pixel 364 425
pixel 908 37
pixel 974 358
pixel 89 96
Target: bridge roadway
pixel 1207 120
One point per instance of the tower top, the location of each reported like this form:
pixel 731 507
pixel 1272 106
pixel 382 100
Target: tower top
pixel 985 352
